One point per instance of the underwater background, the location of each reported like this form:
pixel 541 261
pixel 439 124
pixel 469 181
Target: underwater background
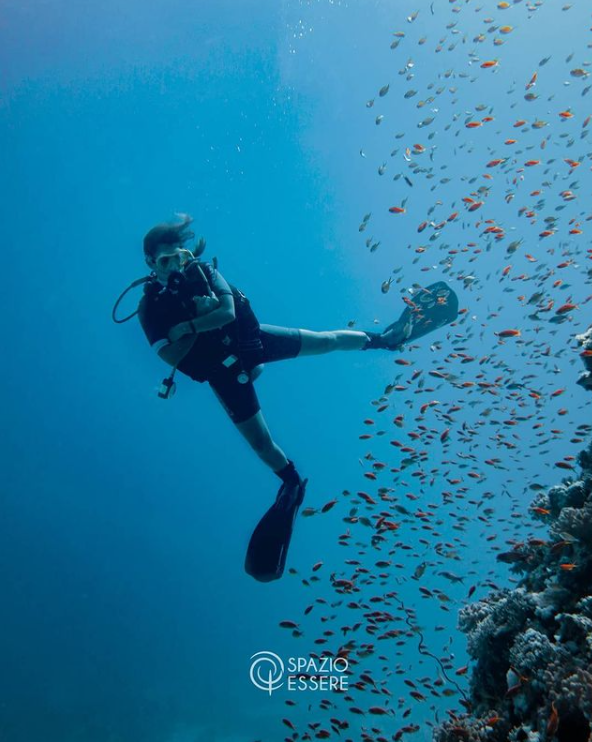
pixel 125 613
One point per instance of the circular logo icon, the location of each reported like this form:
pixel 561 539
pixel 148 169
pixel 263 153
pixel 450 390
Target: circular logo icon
pixel 267 670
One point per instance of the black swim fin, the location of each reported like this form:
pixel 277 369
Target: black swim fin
pixel 427 309
pixel 268 547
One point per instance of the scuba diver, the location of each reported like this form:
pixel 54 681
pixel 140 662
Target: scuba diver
pixel 205 327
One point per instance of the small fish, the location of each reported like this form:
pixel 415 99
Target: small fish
pixel 451 576
pixel 288 625
pixel 566 308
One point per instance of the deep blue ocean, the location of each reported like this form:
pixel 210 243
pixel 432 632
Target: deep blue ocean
pixel 125 612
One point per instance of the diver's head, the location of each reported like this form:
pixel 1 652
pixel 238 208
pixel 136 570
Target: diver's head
pixel 164 249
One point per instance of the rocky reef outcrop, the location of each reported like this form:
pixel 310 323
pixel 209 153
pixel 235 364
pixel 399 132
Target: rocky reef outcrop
pixel 532 645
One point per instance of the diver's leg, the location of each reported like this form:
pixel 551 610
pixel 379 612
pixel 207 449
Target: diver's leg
pixel 257 435
pixel 315 343
pixel 241 403
pixel 257 371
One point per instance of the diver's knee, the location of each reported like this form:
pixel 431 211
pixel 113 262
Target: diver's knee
pixel 327 341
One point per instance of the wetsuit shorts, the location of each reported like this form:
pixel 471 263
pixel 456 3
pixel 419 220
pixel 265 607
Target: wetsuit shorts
pixel 240 400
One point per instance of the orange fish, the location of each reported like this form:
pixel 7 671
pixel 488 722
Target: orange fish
pixel 473 124
pixel 397 210
pixel 568 566
pixel 566 114
pixel 566 308
pixel 509 333
pixel 531 163
pixel 491 63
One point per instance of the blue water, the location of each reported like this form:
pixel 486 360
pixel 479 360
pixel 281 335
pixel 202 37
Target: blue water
pixel 125 613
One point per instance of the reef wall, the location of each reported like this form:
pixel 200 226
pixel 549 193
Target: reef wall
pixel 585 340
pixel 532 645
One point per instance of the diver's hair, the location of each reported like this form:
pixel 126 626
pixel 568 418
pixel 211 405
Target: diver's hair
pixel 167 234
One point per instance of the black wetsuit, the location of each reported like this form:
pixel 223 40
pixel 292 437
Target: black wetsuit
pixel 210 357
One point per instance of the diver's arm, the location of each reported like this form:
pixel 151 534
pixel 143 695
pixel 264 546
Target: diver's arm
pixel 221 316
pixel 173 353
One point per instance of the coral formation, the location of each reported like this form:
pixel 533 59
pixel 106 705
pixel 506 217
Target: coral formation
pixel 585 340
pixel 532 645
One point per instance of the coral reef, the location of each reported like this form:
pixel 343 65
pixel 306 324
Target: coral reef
pixel 585 340
pixel 532 645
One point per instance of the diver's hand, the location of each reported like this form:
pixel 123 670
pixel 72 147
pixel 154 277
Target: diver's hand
pixel 179 331
pixel 199 247
pixel 205 304
pixel 185 218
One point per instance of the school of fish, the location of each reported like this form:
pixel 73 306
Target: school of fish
pixel 471 408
